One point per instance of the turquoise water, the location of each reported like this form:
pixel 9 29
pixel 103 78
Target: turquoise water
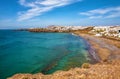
pixel 27 52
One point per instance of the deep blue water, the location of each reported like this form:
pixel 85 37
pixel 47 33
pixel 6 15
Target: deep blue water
pixel 27 52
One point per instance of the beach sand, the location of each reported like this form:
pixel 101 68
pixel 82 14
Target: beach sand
pixel 105 48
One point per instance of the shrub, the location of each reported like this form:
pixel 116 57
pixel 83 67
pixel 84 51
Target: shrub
pixel 86 65
pixel 25 78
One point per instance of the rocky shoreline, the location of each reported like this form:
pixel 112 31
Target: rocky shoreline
pixel 106 70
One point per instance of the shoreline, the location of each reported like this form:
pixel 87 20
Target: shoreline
pixel 92 53
pixel 103 47
pixel 106 56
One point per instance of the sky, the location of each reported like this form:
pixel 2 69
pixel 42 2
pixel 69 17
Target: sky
pixel 40 13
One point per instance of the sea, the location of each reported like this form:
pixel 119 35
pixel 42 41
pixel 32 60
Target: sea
pixel 30 52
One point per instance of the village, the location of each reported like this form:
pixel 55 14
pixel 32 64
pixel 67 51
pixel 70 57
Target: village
pixel 99 31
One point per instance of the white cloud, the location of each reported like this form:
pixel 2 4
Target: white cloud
pixel 111 12
pixel 38 7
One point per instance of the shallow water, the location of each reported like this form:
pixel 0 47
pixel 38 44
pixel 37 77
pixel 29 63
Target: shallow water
pixel 27 52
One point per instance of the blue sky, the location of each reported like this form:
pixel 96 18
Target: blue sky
pixel 36 13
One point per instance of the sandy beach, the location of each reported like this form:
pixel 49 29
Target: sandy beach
pixel 105 48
